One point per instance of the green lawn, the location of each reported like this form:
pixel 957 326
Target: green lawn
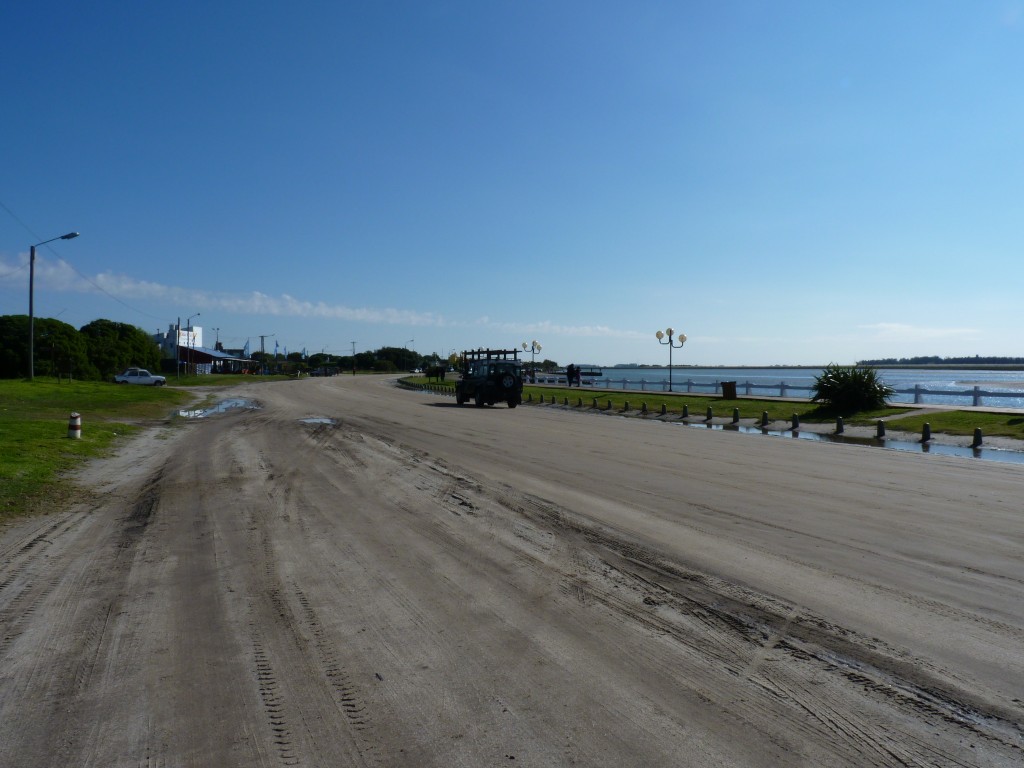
pixel 35 452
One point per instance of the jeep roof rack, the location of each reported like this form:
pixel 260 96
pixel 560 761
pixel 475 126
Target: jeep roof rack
pixel 490 354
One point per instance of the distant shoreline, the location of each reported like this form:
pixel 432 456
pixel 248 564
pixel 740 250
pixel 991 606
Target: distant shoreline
pixel 895 366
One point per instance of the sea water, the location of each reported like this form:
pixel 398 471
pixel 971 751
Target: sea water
pixel 945 386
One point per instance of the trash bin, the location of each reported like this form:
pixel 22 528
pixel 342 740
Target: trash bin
pixel 728 390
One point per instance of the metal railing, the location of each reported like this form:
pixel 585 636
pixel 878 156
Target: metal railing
pixel 918 393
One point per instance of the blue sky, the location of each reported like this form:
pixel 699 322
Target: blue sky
pixel 784 182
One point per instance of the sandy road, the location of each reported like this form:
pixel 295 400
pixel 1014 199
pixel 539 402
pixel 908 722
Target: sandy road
pixel 418 584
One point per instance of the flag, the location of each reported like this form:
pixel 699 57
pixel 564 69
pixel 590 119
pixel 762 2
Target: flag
pixel 303 353
pixel 286 353
pixel 275 349
pixel 245 349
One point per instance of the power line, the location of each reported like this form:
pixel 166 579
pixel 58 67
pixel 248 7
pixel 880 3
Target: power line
pixel 72 267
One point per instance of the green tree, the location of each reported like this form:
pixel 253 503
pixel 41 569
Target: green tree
pixel 59 349
pixel 113 346
pixel 13 346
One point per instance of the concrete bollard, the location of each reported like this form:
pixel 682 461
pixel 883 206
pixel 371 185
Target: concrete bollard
pixel 579 402
pixel 595 403
pixel 764 419
pixel 926 432
pixel 609 405
pixel 529 398
pixel 711 413
pixel 735 415
pixel 75 426
pixel 881 429
pixel 625 406
pixel 686 411
pixel 664 410
pixel 643 407
pixel 839 425
pixel 796 422
pixel 565 400
pixel 977 438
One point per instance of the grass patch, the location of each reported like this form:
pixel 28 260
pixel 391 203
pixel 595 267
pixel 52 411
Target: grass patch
pixel 964 423
pixel 35 452
pixel 221 379
pixel 698 404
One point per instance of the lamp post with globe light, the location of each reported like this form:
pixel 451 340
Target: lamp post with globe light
pixel 665 337
pixel 533 348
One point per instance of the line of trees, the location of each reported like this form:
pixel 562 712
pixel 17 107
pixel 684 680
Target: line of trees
pixel 103 348
pixel 97 350
pixel 936 360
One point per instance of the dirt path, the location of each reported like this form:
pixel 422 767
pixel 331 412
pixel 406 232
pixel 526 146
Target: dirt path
pixel 417 584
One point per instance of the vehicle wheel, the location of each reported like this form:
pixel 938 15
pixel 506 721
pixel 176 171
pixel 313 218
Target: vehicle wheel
pixel 508 381
pixel 459 398
pixel 122 382
pixel 479 399
pixel 513 402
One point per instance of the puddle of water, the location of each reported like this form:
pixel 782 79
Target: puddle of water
pixel 222 407
pixel 986 454
pixel 319 420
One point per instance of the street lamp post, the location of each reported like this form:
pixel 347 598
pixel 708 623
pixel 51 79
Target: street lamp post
pixel 31 301
pixel 191 339
pixel 533 348
pixel 665 337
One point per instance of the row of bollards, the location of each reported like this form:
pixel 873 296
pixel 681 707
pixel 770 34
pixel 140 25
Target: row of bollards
pixel 75 422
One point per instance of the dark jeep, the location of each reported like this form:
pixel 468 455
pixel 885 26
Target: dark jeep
pixel 490 376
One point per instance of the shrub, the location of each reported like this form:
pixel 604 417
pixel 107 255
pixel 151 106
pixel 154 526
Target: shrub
pixel 850 389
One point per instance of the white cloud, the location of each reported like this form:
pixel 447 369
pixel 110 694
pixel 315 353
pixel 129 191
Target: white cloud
pixel 58 276
pixel 904 332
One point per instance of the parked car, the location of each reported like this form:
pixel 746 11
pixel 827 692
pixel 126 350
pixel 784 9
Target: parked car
pixel 139 376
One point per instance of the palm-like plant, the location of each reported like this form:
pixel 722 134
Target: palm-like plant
pixel 850 389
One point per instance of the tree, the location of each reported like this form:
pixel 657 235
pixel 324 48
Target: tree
pixel 13 346
pixel 113 346
pixel 58 349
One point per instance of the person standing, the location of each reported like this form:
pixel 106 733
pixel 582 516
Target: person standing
pixel 570 374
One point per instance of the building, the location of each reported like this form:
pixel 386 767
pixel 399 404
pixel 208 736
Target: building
pixel 182 348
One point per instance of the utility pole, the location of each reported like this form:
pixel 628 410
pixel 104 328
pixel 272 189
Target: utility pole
pixel 353 358
pixel 177 349
pixel 263 355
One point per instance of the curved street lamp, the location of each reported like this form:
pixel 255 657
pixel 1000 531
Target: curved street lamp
pixel 665 337
pixel 533 348
pixel 31 301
